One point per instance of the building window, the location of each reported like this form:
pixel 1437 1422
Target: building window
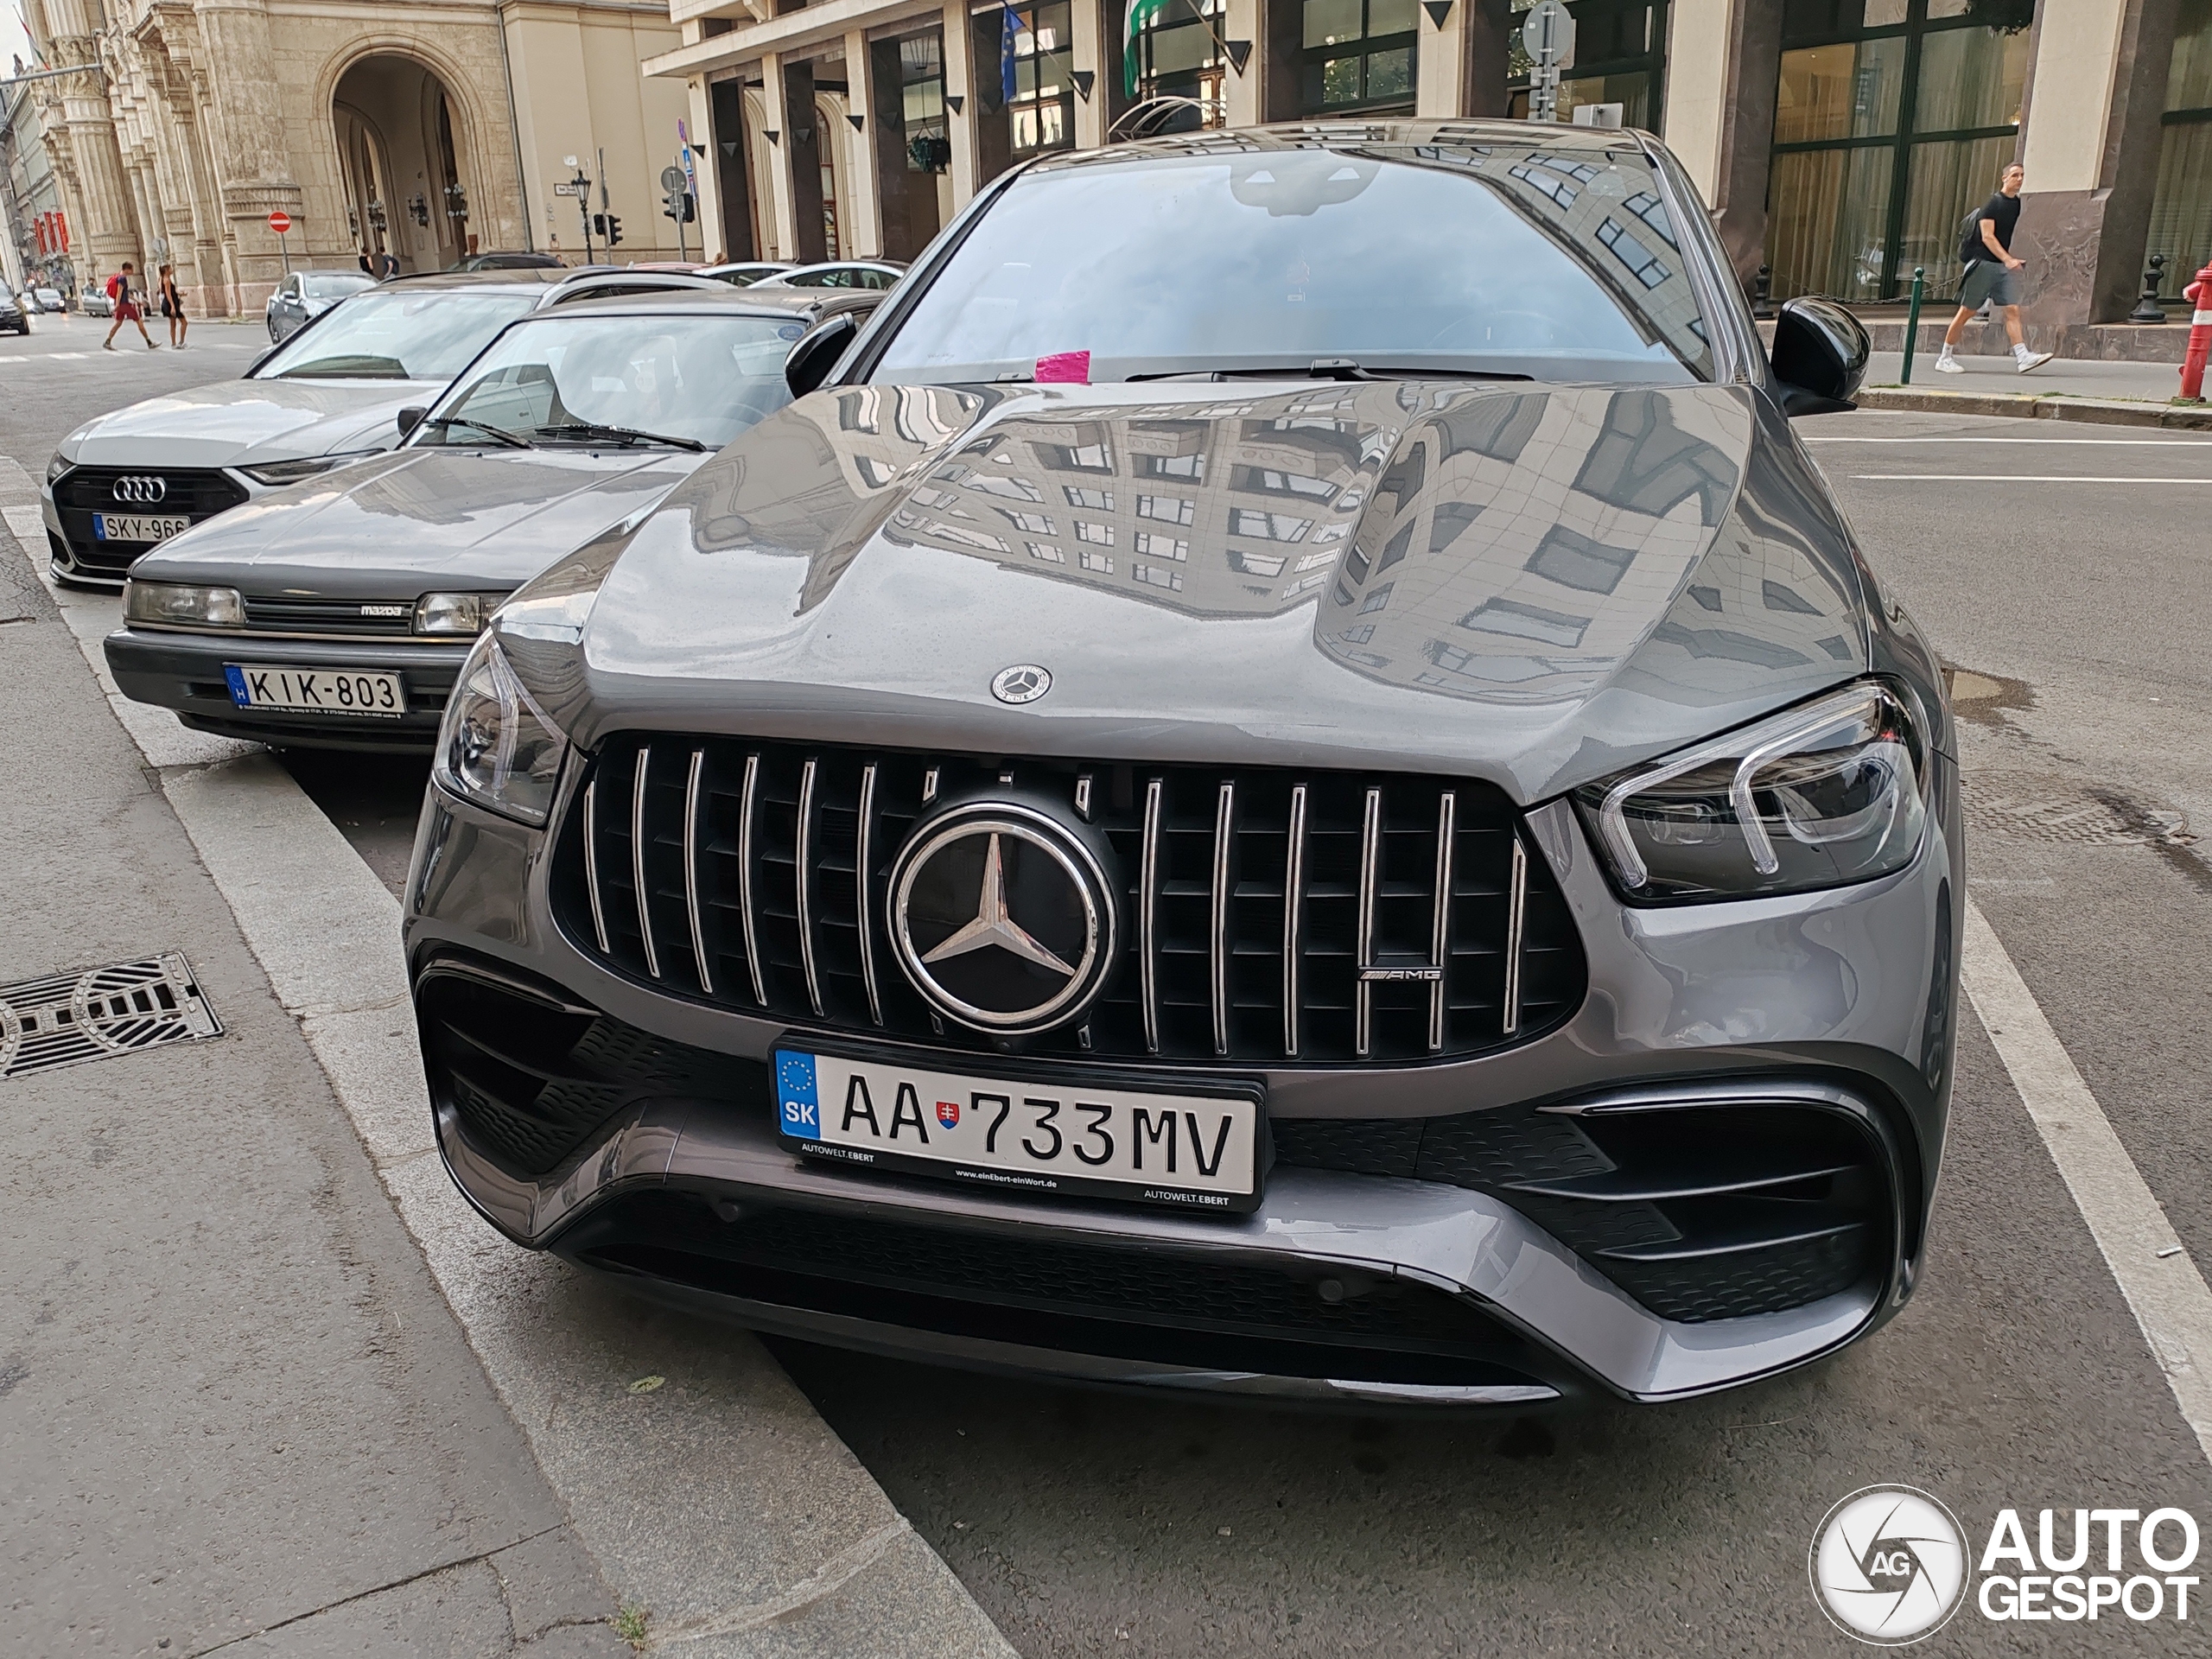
pixel 1892 118
pixel 1620 54
pixel 2180 227
pixel 1358 55
pixel 1179 55
pixel 1042 109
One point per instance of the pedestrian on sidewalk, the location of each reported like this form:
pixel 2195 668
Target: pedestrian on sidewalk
pixel 121 290
pixel 367 270
pixel 391 266
pixel 173 309
pixel 1992 277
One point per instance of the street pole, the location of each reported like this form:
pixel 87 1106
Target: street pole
pixel 1912 321
pixel 1548 34
pixel 285 251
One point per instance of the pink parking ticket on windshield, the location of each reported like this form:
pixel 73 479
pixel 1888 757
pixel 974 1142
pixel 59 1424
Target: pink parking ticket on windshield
pixel 1065 368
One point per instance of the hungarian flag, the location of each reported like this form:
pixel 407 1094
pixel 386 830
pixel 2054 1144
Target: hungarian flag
pixel 1142 15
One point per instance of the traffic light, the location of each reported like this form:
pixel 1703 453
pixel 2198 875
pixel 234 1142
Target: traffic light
pixel 614 231
pixel 599 224
pixel 681 206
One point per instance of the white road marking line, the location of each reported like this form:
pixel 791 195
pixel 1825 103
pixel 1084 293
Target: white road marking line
pixel 2110 444
pixel 2163 1288
pixel 2010 478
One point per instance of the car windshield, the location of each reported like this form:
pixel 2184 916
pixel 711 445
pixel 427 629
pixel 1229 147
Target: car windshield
pixel 396 333
pixel 1553 263
pixel 580 378
pixel 333 284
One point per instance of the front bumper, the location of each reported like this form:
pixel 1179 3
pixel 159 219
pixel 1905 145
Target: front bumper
pixel 1837 1004
pixel 184 671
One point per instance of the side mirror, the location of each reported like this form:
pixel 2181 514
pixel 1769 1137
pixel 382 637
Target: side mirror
pixel 410 418
pixel 1818 357
pixel 817 354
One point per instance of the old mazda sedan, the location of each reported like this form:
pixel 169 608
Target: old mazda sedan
pixel 1282 778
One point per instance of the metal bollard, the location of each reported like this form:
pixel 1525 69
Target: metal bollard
pixel 2147 309
pixel 2199 294
pixel 1912 321
pixel 1763 293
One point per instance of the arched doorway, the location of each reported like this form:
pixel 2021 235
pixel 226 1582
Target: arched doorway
pixel 400 162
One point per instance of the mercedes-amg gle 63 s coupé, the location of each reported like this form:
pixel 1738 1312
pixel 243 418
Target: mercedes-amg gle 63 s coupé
pixel 1280 778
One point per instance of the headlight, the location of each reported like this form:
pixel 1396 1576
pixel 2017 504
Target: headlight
pixel 58 466
pixel 454 613
pixel 1818 796
pixel 173 605
pixel 291 471
pixel 496 747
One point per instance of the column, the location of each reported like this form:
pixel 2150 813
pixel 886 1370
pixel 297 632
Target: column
pixel 782 212
pixel 802 142
pixel 1490 29
pixel 706 184
pixel 864 213
pixel 1724 61
pixel 1087 32
pixel 253 168
pixel 2089 141
pixel 1241 90
pixel 1698 35
pixel 960 83
pixel 1440 62
pixel 1275 58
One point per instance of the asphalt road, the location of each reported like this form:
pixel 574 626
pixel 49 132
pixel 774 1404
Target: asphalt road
pixel 2060 571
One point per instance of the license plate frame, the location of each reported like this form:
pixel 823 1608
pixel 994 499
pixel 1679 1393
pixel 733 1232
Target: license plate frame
pixel 176 524
pixel 285 689
pixel 1125 1089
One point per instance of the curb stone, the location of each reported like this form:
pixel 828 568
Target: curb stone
pixel 2052 406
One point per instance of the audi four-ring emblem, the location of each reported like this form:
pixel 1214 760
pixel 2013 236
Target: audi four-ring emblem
pixel 141 489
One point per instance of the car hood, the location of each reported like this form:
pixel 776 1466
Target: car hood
pixel 417 520
pixel 249 422
pixel 1532 584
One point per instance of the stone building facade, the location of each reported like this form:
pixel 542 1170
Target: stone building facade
pixel 427 130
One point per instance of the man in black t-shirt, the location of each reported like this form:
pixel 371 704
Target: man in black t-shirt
pixel 1993 275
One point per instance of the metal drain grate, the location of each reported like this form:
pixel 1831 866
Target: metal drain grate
pixel 2037 806
pixel 64 1019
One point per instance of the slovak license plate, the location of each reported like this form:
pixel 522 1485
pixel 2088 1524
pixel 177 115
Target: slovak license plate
pixel 1195 1152
pixel 137 526
pixel 316 690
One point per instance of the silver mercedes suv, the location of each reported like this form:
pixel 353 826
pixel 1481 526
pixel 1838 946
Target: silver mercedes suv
pixel 1281 779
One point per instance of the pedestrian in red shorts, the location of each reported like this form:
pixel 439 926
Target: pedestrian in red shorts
pixel 126 308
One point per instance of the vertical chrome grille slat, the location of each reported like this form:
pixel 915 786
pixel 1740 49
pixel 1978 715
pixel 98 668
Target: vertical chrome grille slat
pixel 1147 922
pixel 1224 829
pixel 1517 905
pixel 1370 878
pixel 747 825
pixel 692 870
pixel 1440 935
pixel 803 883
pixel 1293 904
pixel 591 867
pixel 637 860
pixel 861 898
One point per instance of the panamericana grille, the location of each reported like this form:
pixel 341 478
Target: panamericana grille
pixel 294 614
pixel 1701 1212
pixel 1266 915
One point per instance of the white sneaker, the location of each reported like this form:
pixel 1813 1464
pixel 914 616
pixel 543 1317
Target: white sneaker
pixel 1948 365
pixel 2034 360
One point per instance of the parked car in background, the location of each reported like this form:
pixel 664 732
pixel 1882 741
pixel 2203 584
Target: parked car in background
pixel 1369 837
pixel 133 477
pixel 92 302
pixel 843 273
pixel 338 611
pixel 50 299
pixel 628 281
pixel 510 259
pixel 745 272
pixel 306 295
pixel 13 318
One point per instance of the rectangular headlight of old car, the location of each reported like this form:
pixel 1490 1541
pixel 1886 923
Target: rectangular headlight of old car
pixel 178 605
pixel 454 614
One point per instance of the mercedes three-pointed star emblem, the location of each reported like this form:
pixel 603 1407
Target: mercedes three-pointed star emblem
pixel 993 926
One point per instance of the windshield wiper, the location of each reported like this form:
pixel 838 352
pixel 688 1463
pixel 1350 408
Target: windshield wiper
pixel 1336 368
pixel 498 434
pixel 589 429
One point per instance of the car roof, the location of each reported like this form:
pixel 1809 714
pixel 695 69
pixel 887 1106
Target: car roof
pixel 719 301
pixel 480 279
pixel 1369 134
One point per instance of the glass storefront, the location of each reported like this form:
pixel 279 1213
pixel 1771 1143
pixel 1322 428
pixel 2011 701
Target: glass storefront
pixel 1357 55
pixel 2181 212
pixel 1024 97
pixel 1892 118
pixel 1620 50
pixel 1180 55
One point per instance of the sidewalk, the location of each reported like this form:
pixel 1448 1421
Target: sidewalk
pixel 267 1384
pixel 2060 376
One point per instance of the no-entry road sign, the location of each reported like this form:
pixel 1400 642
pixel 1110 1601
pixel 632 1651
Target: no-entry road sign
pixel 280 222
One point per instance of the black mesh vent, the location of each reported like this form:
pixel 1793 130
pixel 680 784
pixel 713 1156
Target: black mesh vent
pixel 1700 1212
pixel 1224 986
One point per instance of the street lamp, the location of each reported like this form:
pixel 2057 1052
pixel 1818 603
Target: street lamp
pixel 582 186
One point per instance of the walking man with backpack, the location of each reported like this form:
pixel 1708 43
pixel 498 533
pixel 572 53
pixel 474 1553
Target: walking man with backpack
pixel 126 308
pixel 1993 275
